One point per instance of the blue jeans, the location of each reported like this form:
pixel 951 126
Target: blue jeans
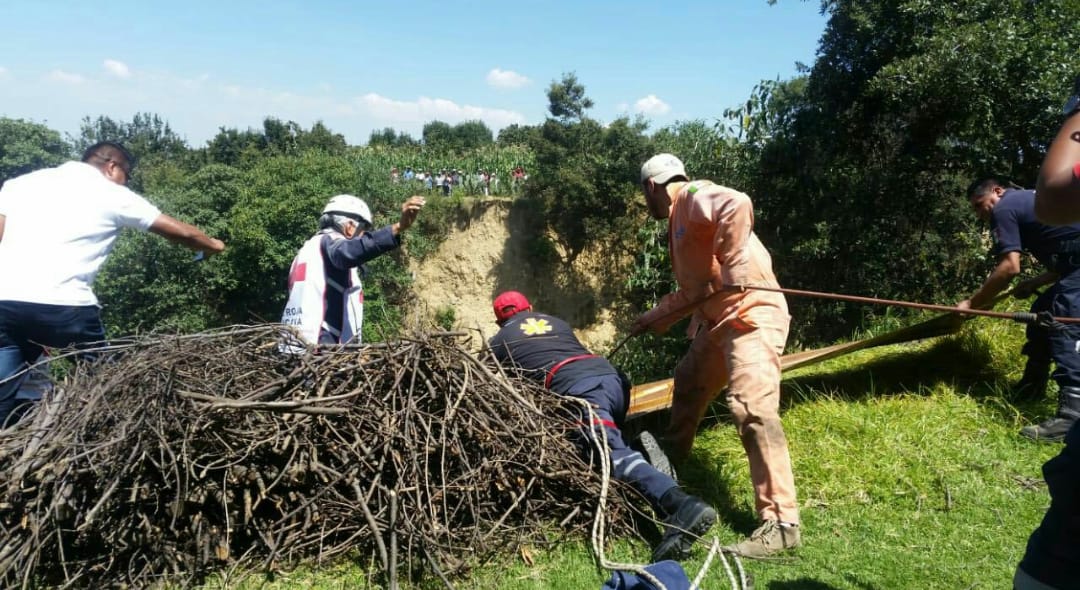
pixel 26 329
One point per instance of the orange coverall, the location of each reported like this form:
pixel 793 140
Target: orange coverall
pixel 737 338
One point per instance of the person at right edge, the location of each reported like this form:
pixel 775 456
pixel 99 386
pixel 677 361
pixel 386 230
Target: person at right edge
pixel 1052 558
pixel 737 337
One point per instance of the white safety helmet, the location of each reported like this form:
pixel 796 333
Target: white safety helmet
pixel 349 206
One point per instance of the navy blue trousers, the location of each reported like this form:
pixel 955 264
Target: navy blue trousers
pixel 609 396
pixel 1062 346
pixel 27 328
pixel 1053 550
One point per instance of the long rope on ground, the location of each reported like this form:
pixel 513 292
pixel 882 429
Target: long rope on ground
pixel 599 519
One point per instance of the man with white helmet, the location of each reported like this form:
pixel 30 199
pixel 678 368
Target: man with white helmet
pixel 326 296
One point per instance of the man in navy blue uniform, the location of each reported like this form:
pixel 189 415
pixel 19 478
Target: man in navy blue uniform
pixel 1011 214
pixel 544 348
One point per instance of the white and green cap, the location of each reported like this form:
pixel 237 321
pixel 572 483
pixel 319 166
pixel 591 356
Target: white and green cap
pixel 661 168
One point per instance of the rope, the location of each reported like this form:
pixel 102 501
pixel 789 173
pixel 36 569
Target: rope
pixel 1016 317
pixel 599 520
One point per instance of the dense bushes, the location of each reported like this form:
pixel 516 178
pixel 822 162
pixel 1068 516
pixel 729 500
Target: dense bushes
pixel 856 170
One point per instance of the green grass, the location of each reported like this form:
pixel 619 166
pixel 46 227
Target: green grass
pixel 909 469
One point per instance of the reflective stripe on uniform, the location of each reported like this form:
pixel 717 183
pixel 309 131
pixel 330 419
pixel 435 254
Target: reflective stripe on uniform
pixel 637 460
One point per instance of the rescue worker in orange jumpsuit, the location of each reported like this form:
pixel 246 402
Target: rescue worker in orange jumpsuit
pixel 737 336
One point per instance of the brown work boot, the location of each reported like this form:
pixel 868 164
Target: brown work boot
pixel 769 538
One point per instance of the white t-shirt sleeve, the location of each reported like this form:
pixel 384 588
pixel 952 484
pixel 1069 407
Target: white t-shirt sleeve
pixel 133 210
pixel 5 198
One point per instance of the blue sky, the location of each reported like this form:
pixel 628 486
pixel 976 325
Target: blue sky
pixel 359 66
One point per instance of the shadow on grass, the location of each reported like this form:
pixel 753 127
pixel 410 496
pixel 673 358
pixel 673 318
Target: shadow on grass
pixel 800 584
pixel 812 584
pixel 702 475
pixel 963 363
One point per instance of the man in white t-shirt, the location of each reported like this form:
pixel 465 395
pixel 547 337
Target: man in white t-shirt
pixel 57 227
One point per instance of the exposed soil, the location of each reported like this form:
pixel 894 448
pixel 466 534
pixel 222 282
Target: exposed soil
pixel 489 252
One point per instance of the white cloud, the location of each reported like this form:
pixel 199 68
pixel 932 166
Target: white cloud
pixel 197 105
pixel 65 77
pixel 651 105
pixel 117 68
pixel 426 109
pixel 507 79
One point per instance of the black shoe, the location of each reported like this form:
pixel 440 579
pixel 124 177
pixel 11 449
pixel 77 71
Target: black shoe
pixel 693 519
pixel 652 450
pixel 1052 429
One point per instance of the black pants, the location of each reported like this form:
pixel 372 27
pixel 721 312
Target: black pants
pixel 1053 550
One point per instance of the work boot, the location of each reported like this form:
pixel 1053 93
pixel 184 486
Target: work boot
pixel 688 518
pixel 1055 428
pixel 769 538
pixel 1032 384
pixel 652 450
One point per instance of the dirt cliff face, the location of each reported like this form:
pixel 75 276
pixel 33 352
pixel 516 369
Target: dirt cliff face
pixel 493 248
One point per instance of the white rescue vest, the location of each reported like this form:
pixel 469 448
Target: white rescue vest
pixel 306 309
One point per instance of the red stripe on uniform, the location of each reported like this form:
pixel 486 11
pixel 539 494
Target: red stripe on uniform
pixel 561 364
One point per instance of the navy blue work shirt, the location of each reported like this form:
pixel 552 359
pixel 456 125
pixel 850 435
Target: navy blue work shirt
pixel 1015 229
pixel 536 342
pixel 341 255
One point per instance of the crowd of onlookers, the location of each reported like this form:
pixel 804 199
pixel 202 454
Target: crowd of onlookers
pixel 446 181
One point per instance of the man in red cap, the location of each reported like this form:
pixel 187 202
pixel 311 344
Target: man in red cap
pixel 737 336
pixel 544 348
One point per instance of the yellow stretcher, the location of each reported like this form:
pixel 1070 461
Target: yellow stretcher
pixel 656 395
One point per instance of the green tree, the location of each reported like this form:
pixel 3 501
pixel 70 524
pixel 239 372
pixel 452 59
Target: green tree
pixel 26 146
pixel 586 174
pixel 320 138
pixel 516 134
pixel 147 135
pixel 389 137
pixel 438 135
pixel 471 135
pixel 861 172
pixel 234 147
pixel 567 100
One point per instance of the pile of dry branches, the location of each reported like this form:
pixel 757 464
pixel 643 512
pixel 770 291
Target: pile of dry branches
pixel 176 457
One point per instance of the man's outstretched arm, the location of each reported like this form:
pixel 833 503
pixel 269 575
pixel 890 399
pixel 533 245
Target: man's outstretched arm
pixel 185 234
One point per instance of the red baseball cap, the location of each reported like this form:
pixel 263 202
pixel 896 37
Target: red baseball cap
pixel 508 303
